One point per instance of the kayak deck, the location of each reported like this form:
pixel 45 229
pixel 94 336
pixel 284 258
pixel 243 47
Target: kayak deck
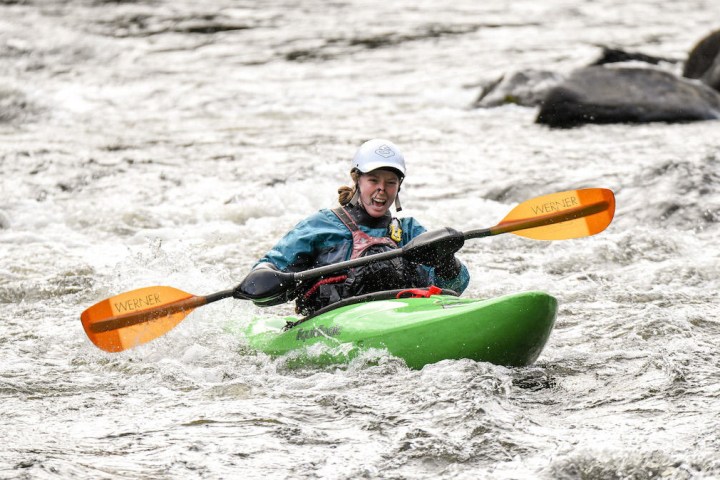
pixel 511 330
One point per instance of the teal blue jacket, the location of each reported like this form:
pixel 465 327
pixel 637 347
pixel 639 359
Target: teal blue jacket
pixel 322 239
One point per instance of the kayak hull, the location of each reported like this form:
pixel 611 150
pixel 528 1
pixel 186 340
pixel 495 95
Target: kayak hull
pixel 511 330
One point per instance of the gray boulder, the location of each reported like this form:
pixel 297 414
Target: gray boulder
pixel 526 88
pixel 600 94
pixel 703 62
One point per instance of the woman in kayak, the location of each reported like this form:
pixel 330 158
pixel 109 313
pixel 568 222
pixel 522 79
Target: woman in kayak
pixel 362 225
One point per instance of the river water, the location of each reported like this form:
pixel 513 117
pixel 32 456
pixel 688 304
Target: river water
pixel 172 142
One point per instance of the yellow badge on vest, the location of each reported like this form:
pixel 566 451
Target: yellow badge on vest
pixel 395 230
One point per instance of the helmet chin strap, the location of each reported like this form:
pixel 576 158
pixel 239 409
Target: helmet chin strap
pixel 356 196
pixel 398 207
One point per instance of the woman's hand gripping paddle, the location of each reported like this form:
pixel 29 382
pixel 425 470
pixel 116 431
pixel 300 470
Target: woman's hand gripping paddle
pixel 136 317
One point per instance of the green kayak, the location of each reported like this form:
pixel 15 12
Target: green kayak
pixel 510 330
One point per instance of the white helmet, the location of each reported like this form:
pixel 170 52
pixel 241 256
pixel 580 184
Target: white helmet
pixel 379 153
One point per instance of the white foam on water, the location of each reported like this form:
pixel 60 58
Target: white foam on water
pixel 149 154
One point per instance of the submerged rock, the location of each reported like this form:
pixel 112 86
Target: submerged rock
pixel 14 105
pixel 4 220
pixel 614 95
pixel 616 55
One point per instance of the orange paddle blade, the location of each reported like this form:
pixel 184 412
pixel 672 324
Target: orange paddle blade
pixel 560 216
pixel 136 317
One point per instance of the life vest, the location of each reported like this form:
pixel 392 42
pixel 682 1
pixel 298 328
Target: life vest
pixel 390 274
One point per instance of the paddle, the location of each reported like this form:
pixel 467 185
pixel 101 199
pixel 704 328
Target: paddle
pixel 138 316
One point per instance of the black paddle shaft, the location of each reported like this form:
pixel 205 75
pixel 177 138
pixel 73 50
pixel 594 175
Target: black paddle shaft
pixel 447 235
pixel 268 286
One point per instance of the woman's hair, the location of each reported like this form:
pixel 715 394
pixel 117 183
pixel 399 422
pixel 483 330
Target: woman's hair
pixel 345 193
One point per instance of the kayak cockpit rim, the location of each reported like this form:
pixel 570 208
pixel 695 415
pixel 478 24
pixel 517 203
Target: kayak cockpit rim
pixel 368 297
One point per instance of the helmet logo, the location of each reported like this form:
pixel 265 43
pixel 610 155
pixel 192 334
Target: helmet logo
pixel 385 151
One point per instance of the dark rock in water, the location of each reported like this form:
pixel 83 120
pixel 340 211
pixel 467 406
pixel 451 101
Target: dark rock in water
pixel 615 55
pixel 616 95
pixel 526 88
pixel 704 61
pixel 132 24
pixel 334 47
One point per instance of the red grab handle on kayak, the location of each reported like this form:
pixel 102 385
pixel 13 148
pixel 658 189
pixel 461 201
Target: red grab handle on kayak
pixel 419 292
